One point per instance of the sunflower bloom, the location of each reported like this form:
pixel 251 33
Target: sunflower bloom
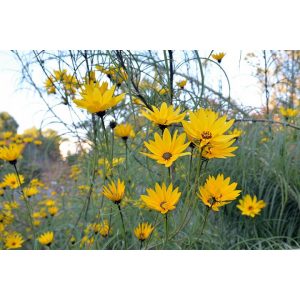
pixel 236 133
pixel 288 112
pixel 205 127
pixel 12 180
pixel 143 231
pixel 250 206
pixel 97 99
pixel 124 131
pixel 166 149
pixel 104 228
pixel 164 116
pixel 218 56
pixel 217 192
pixel 30 191
pixel 53 210
pixel 114 192
pixel 11 153
pixel 6 135
pixel 181 83
pixel 161 199
pixel 14 241
pixel 46 238
pixel 218 150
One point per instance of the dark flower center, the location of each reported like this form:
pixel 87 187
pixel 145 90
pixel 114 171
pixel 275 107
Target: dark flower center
pixel 167 155
pixel 162 205
pixel 101 114
pixel 206 135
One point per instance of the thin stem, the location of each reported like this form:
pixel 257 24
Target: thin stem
pixel 205 220
pixel 126 155
pixel 166 228
pixel 123 224
pixel 105 133
pixel 190 169
pixel 141 245
pixel 112 151
pixel 171 74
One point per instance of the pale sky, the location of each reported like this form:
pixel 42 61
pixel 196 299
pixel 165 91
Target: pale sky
pixel 29 110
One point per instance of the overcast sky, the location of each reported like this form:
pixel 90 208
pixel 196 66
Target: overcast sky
pixel 29 110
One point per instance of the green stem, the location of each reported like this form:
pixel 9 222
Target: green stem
pixel 112 152
pixel 205 220
pixel 123 224
pixel 141 245
pixel 190 169
pixel 166 228
pixel 126 155
pixel 105 133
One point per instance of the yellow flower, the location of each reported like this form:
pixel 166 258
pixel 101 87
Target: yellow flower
pixel 107 72
pixel 97 99
pixel 36 222
pixel 6 135
pixel 14 240
pixel 30 191
pixel 167 149
pixel 11 153
pixel 250 206
pixel 218 192
pixel 236 133
pixel 205 127
pixel 163 91
pixel 124 131
pixel 218 150
pixel 36 182
pixel 116 161
pixel 60 74
pixel 218 56
pixel 143 231
pixel 43 213
pixel 288 112
pixel 104 228
pixel 53 210
pixel 181 83
pixel 138 101
pixel 10 205
pixel 264 140
pixel 91 77
pixel 73 240
pixel 119 76
pixel 162 199
pixel 28 139
pixel 46 238
pixel 114 192
pixel 75 171
pixel 49 85
pixel 6 217
pixel 95 227
pixel 50 202
pixel 2 192
pixel 164 116
pixel 12 181
pixel 107 165
pixel 86 241
pixel 37 142
pixel 36 215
